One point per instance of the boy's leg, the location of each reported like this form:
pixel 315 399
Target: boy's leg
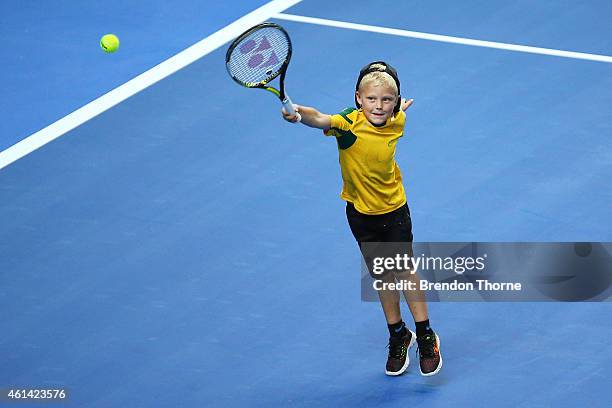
pixel 430 358
pixel 414 298
pixel 400 338
pixel 367 229
pixel 390 301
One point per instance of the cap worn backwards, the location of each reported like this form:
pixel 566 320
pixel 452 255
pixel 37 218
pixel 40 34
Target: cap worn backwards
pixel 389 70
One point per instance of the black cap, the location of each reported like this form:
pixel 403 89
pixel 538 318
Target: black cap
pixel 389 70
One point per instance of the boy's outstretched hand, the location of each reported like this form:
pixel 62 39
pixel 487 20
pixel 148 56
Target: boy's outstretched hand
pixel 406 103
pixel 292 118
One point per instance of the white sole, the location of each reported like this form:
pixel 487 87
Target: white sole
pixel 439 365
pixel 407 362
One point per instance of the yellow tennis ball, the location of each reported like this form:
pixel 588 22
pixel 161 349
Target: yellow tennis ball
pixel 109 43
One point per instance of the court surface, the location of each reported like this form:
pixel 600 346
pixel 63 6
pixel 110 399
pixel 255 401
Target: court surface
pixel 187 247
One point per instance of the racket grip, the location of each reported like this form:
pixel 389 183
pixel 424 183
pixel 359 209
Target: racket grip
pixel 288 105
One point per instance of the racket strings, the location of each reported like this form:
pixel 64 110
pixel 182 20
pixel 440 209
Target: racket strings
pixel 259 57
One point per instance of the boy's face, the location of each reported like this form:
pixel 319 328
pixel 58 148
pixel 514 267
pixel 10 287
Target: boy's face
pixel 377 102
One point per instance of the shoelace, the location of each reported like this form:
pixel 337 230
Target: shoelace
pixel 396 348
pixel 425 345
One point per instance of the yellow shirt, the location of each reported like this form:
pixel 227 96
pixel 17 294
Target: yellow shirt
pixel 371 178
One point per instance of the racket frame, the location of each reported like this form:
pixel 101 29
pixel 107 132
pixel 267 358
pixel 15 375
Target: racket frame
pixel 280 93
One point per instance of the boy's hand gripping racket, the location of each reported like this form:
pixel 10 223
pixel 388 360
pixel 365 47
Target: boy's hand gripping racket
pixel 258 56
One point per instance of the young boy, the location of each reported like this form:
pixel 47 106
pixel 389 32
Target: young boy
pixel 376 206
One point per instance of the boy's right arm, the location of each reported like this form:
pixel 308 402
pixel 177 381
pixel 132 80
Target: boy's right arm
pixel 310 117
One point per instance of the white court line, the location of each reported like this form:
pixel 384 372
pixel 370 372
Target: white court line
pixel 142 81
pixel 445 38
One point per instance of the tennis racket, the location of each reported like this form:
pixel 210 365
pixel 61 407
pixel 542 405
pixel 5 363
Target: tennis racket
pixel 259 55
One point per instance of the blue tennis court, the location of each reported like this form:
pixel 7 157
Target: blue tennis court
pixel 179 244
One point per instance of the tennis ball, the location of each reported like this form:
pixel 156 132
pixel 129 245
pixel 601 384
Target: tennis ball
pixel 109 43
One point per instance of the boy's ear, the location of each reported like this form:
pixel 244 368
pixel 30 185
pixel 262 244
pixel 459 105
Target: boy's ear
pixel 358 99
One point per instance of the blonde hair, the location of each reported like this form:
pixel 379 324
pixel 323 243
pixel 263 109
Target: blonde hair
pixel 378 78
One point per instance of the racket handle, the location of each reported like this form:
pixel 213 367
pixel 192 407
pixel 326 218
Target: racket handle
pixel 288 105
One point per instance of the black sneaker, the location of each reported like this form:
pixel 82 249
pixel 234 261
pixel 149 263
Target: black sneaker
pixel 429 354
pixel 398 359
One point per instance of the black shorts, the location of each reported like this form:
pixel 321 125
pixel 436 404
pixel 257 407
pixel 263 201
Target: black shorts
pixel 395 226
